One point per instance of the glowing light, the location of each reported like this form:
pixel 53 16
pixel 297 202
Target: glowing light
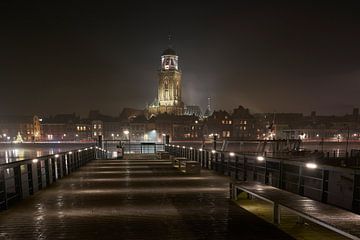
pixel 56 155
pixel 191 148
pixel 177 146
pixel 35 160
pixel 311 165
pixel 126 132
pixel 184 147
pixel 232 154
pixel 213 151
pixel 200 149
pixel 260 158
pixel 70 153
pixel 79 150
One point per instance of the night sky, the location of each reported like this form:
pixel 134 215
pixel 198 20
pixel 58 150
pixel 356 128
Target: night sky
pixel 67 57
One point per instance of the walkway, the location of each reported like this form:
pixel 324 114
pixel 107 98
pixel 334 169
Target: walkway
pixel 134 199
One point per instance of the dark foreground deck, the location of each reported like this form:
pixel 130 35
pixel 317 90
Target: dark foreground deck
pixel 134 199
pixel 338 220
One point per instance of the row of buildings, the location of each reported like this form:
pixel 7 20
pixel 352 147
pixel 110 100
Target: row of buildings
pixel 169 115
pixel 239 124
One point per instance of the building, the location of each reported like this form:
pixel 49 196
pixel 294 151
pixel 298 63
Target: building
pixel 244 124
pixel 169 86
pixel 219 123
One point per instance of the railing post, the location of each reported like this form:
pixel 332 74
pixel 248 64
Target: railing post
pixel 244 168
pixel 222 163
pixel 18 182
pixel 30 178
pixel 3 194
pixel 35 177
pixel 276 213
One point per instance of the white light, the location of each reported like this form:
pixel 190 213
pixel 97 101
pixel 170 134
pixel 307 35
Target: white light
pixel 164 134
pixel 213 151
pixel 196 121
pixel 86 149
pixel 191 148
pixel 4 134
pixel 232 154
pixel 260 158
pixel 311 165
pixel 56 155
pixel 96 147
pixel 177 146
pixel 200 149
pixel 79 150
pixel 91 147
pixel 126 132
pixel 173 145
pixel 184 147
pixel 70 153
pixel 35 160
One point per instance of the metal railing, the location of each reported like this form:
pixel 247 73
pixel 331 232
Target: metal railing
pixel 132 147
pixel 21 179
pixel 291 175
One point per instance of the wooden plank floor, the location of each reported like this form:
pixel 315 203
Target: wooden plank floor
pixel 338 218
pixel 134 199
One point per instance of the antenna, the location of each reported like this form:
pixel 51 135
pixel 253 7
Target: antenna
pixel 170 38
pixel 209 104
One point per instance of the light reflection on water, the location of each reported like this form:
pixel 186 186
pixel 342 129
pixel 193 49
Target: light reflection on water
pixel 11 153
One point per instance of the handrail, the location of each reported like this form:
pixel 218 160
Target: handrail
pixel 20 179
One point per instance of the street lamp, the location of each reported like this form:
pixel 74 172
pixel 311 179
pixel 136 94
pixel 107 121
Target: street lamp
pixel 127 133
pixel 163 138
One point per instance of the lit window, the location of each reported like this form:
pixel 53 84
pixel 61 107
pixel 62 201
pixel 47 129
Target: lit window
pixel 230 122
pixel 94 126
pixel 245 122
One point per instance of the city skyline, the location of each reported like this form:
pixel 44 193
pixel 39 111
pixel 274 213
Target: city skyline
pixel 267 57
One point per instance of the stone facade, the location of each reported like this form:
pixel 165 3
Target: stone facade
pixel 169 87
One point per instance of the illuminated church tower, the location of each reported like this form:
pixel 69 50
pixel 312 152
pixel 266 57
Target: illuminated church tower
pixel 169 88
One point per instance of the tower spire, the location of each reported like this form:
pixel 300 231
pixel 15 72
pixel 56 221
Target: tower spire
pixel 170 40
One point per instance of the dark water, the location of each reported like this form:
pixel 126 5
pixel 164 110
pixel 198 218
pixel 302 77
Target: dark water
pixel 16 152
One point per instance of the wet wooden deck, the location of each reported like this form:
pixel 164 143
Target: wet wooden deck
pixel 341 221
pixel 134 199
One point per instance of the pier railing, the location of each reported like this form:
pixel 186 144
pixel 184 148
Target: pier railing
pixel 20 179
pixel 306 177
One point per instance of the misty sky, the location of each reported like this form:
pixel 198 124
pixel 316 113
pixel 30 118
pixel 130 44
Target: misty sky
pixel 66 57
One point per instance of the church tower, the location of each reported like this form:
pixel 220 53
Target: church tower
pixel 169 86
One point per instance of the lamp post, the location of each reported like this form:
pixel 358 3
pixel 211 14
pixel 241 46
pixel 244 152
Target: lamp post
pixel 163 138
pixel 127 133
pixel 347 141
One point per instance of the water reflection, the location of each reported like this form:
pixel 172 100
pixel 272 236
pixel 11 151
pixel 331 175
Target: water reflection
pixel 11 153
